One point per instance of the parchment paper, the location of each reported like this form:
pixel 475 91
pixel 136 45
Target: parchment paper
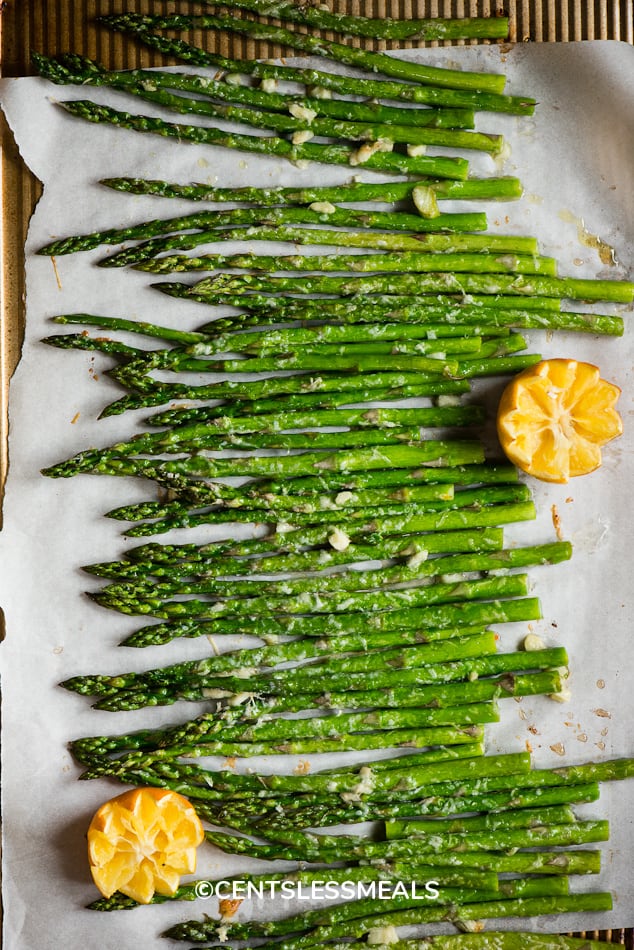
pixel 575 160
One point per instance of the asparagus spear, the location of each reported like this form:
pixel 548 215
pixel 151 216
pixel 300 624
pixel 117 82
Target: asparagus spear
pixel 312 602
pixel 330 848
pixel 472 613
pixel 449 306
pixel 76 69
pixel 462 877
pixel 522 818
pixel 417 495
pixel 397 655
pixel 520 907
pixel 295 683
pixel 441 696
pixel 444 357
pixel 441 167
pixel 257 339
pixel 573 287
pixel 400 221
pixel 398 484
pixel 315 440
pixel 352 56
pixel 322 812
pixel 415 738
pixel 362 907
pixel 388 779
pixel 350 191
pixel 286 540
pixel 371 239
pixel 266 656
pixel 410 517
pixel 356 580
pixel 304 384
pixel 492 940
pixel 142 564
pixel 306 121
pixel 308 463
pixel 411 261
pixel 366 88
pixel 379 28
pixel 376 426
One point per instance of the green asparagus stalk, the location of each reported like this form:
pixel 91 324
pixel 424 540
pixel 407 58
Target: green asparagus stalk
pixel 313 603
pixel 519 907
pixel 356 580
pixel 281 386
pixel 521 818
pixel 414 314
pixel 414 738
pixel 352 56
pixel 307 122
pixel 451 694
pixel 417 494
pixel 299 682
pixel 263 657
pixel 76 69
pixel 432 307
pixel 425 497
pixel 444 358
pixel 388 779
pixel 437 617
pixel 379 28
pixel 398 483
pixel 320 812
pixel 343 847
pixel 217 441
pixel 286 541
pixel 279 422
pixel 415 241
pixel 205 220
pixel 363 906
pixel 399 655
pixel 573 287
pixel 441 167
pixel 141 562
pixel 494 940
pixel 410 261
pixel 366 520
pixel 366 88
pixel 308 463
pixel 250 340
pixel 462 877
pixel 472 188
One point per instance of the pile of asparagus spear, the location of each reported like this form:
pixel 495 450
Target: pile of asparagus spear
pixel 384 560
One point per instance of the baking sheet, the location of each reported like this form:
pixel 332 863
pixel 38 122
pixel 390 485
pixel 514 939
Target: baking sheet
pixel 574 160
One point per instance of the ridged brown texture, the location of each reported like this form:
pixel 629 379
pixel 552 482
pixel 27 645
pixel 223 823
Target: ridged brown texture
pixel 58 26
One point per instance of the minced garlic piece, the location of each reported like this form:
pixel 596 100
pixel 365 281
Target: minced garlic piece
pixel 322 207
pixel 303 135
pixel 533 642
pixel 320 92
pixel 339 540
pixel 382 935
pixel 302 112
pixel 236 79
pixel 368 149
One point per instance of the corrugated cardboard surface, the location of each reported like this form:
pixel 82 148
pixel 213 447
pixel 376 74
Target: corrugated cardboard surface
pixel 56 27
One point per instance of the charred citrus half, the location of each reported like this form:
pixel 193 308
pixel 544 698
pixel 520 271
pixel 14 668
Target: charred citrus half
pixel 142 841
pixel 554 417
